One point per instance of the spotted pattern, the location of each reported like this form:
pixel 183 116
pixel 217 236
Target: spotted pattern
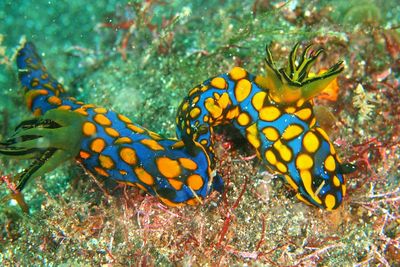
pixel 285 134
pixel 280 126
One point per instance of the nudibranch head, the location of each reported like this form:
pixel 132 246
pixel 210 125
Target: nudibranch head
pixel 304 153
pixel 293 82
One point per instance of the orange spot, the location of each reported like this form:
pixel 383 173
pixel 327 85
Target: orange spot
pixel 111 132
pixel 154 145
pixel 154 135
pixel 123 140
pixel 84 154
pixel 54 100
pixel 102 120
pixel 97 145
pixel 122 172
pixel 168 167
pixel 106 162
pixel 128 155
pixel 169 202
pixel 135 128
pixel 101 171
pixel 188 164
pixel 195 181
pixel 88 128
pixel 192 201
pixel 141 187
pixel 100 110
pixel 32 94
pixel 177 185
pixel 144 176
pixel 37 112
pixel 124 119
pixel 81 111
pixel 86 106
pixel 64 107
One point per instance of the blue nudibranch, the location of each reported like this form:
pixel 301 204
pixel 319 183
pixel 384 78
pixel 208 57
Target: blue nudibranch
pixel 274 113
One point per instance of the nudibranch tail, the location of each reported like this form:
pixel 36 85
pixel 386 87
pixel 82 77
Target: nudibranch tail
pixel 293 82
pixel 49 140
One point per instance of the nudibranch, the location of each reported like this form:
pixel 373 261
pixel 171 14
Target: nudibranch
pixel 106 143
pixel 275 114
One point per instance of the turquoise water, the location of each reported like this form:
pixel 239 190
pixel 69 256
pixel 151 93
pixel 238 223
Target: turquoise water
pixel 170 48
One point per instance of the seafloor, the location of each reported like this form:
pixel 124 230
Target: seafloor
pixel 141 58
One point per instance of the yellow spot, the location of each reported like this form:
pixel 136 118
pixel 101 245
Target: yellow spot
pixel 111 132
pixel 88 128
pixel 224 100
pixel 128 155
pixel 343 189
pixel 168 167
pixel 84 154
pixel 124 118
pixel 292 131
pixel 122 172
pixel 284 151
pixel 188 163
pixel 290 109
pixel 194 112
pixel 233 113
pixel 243 119
pixel 300 102
pixel 32 94
pixel 194 90
pixel 195 99
pixel 291 182
pixel 102 120
pixel 252 135
pixel 144 176
pixel 269 113
pixel 313 122
pixel 185 105
pixel 281 167
pixel 242 90
pixel 330 201
pixel 135 128
pixel 271 133
pixel 311 142
pixel 258 100
pixel 100 110
pixel 97 145
pixel 54 100
pixel 101 171
pixel 218 82
pixel 336 181
pixel 195 182
pixel 177 185
pixel 88 106
pixel 214 109
pixel 306 178
pixel 152 144
pixel 237 73
pixel 301 198
pixel 270 156
pixel 106 162
pixel 304 162
pixel 155 136
pixel 330 164
pixel 178 144
pixel 303 114
pixel 123 140
pixel 64 107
